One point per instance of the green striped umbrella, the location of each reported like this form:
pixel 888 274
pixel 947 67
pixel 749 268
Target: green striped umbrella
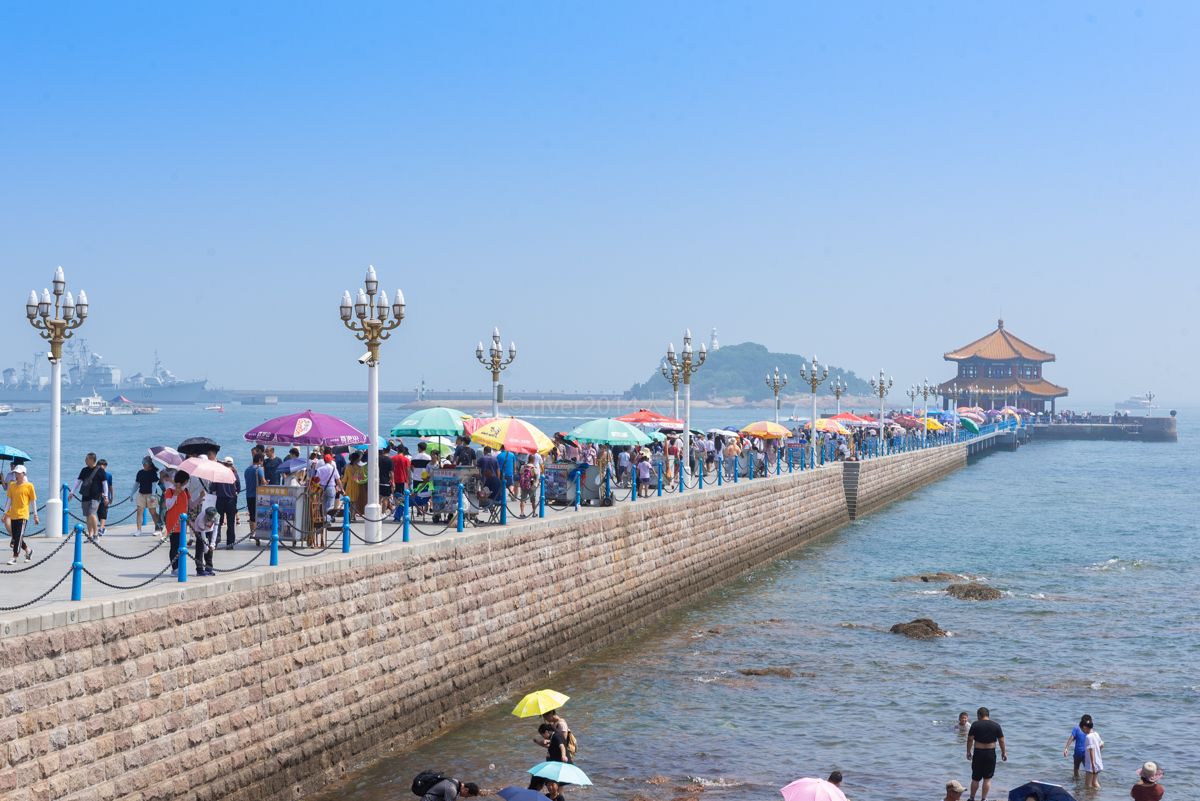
pixel 969 424
pixel 605 430
pixel 436 422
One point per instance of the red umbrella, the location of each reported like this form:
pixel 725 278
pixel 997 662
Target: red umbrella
pixel 645 417
pixel 473 424
pixel 848 417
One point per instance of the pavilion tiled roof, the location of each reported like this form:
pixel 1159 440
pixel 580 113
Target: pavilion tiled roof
pixel 1039 387
pixel 1000 345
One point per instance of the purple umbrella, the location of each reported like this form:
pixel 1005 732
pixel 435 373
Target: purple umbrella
pixel 306 428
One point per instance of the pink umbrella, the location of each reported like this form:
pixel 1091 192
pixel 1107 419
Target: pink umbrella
pixel 306 428
pixel 207 470
pixel 812 790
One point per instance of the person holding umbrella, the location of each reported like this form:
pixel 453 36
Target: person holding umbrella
pixel 21 498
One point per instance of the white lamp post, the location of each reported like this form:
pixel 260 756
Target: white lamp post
pixel 495 362
pixel 55 317
pixel 687 363
pixel 372 326
pixel 777 382
pixel 671 373
pixel 882 386
pixel 814 375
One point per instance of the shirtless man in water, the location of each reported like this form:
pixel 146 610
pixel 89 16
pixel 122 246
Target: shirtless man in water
pixel 982 737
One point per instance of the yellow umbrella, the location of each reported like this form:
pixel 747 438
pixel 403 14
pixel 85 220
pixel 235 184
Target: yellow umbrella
pixel 514 434
pixel 830 426
pixel 933 425
pixel 765 429
pixel 539 703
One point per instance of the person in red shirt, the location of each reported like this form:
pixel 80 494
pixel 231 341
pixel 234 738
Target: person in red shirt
pixel 176 500
pixel 401 469
pixel 1148 788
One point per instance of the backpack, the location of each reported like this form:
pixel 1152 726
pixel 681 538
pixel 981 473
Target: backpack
pixel 424 781
pixel 572 745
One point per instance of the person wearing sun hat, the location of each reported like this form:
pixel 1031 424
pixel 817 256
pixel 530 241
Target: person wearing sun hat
pixel 954 790
pixel 1147 787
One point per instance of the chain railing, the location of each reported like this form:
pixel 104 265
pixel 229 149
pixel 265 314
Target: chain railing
pixel 609 492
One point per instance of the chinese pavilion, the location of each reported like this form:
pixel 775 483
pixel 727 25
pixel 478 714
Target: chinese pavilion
pixel 999 369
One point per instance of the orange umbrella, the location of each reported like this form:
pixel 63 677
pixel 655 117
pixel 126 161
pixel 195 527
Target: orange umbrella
pixel 765 429
pixel 645 417
pixel 514 434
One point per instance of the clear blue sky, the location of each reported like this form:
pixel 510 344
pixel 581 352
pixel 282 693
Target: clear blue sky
pixel 595 177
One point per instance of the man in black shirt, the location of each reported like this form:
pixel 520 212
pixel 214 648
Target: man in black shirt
pixel 555 742
pixel 271 464
pixel 89 488
pixel 983 736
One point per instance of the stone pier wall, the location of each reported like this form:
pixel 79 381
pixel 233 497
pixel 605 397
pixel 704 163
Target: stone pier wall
pixel 882 481
pixel 272 684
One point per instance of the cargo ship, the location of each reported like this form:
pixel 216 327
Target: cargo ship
pixel 86 373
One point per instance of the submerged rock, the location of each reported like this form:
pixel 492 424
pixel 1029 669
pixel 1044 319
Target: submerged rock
pixel 938 577
pixel 974 591
pixel 920 629
pixel 781 672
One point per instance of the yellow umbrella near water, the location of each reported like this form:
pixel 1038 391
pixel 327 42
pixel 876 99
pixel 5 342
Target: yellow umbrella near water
pixel 765 429
pixel 539 703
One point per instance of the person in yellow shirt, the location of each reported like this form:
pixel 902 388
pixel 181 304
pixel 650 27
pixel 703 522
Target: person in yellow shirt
pixel 22 498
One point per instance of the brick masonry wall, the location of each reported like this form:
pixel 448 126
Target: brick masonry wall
pixel 273 685
pixel 882 481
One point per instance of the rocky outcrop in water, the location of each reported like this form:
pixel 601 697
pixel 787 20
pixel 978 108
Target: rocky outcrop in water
pixel 920 629
pixel 938 577
pixel 781 672
pixel 974 591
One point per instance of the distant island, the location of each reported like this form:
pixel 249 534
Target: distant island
pixel 737 372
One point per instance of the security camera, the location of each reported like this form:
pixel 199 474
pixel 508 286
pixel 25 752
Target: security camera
pixel 366 357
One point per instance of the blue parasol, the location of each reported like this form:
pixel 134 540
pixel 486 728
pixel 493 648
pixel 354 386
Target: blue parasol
pixel 8 452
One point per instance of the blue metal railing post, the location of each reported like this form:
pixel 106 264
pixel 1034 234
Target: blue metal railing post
pixel 66 522
pixel 720 471
pixel 607 487
pixel 736 463
pixel 145 516
pixel 77 565
pixel 406 518
pixel 274 535
pixel 346 526
pixel 578 489
pixel 750 466
pixel 791 465
pixel 542 493
pixel 700 477
pixel 504 506
pixel 660 471
pixel 633 488
pixel 183 549
pixel 458 526
pixel 680 471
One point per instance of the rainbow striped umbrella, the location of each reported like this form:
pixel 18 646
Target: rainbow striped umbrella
pixel 514 434
pixel 765 429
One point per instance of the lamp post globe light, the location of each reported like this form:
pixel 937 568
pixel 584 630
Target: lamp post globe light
pixel 687 362
pixel 926 389
pixel 881 386
pixel 814 376
pixel 776 382
pixel 55 316
pixel 372 320
pixel 1150 396
pixel 839 387
pixel 494 362
pixel 672 374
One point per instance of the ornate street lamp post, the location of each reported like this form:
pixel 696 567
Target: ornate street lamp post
pixel 951 394
pixel 494 362
pixel 55 317
pixel 814 374
pixel 375 321
pixel 882 386
pixel 926 390
pixel 687 363
pixel 776 382
pixel 671 373
pixel 839 388
pixel 1150 396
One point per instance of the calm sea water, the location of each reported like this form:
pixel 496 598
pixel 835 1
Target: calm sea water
pixel 1094 544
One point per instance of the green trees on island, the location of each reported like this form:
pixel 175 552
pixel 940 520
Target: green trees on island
pixel 737 371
